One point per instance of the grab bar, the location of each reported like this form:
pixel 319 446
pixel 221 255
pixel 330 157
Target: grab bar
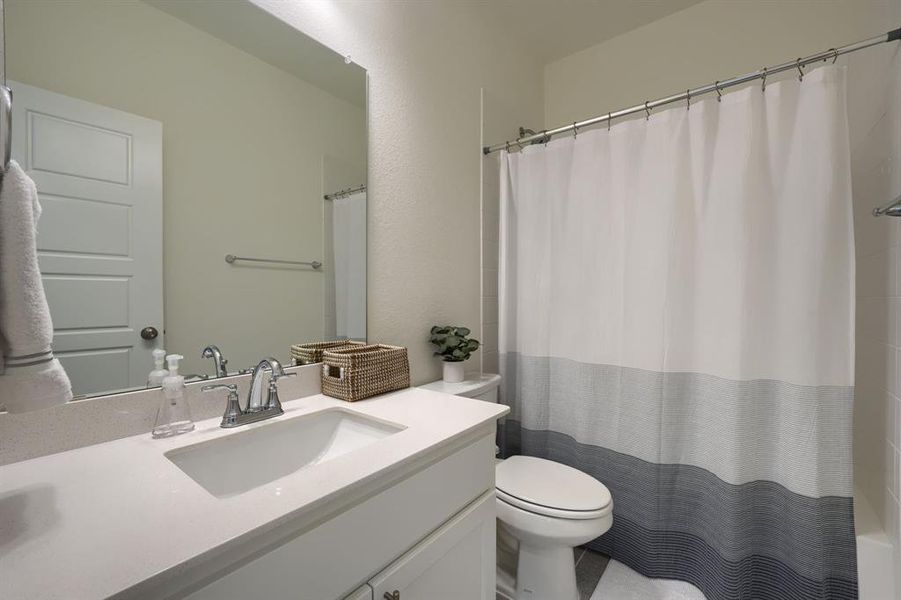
pixel 231 258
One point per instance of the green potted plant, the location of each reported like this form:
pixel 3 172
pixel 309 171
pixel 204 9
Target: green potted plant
pixel 454 347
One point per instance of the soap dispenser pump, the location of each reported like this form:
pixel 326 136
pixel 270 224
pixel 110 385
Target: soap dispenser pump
pixel 173 417
pixel 155 379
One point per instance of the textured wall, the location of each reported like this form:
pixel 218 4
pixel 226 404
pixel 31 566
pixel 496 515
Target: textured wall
pixel 427 62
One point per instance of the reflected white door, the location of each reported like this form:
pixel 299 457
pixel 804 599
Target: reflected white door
pixel 99 177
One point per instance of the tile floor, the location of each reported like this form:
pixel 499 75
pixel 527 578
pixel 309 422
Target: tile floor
pixel 590 565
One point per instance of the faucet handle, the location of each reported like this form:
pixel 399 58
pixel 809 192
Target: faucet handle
pixel 232 408
pixel 272 401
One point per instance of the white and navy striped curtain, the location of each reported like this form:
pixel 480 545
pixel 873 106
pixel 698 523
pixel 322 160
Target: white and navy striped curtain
pixel 677 320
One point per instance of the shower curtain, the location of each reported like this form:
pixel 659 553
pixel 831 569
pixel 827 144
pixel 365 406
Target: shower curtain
pixel 349 244
pixel 677 320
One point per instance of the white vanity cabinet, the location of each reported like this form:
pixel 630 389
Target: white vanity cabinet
pixel 428 535
pixel 362 593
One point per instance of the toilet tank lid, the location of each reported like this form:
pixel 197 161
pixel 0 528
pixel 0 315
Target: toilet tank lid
pixel 476 386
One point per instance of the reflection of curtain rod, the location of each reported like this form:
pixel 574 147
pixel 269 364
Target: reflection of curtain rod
pixel 718 87
pixel 347 192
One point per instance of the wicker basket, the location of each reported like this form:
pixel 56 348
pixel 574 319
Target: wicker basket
pixel 359 372
pixel 307 354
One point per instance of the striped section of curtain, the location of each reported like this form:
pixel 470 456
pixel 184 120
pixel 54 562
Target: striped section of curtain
pixel 677 320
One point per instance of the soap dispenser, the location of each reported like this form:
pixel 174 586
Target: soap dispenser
pixel 173 417
pixel 155 379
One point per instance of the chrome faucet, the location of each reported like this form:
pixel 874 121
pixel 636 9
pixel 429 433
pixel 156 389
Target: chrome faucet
pixel 255 410
pixel 219 361
pixel 274 368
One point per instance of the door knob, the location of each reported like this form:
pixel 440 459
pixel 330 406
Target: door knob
pixel 149 333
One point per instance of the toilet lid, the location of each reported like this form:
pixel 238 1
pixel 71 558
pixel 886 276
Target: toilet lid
pixel 546 484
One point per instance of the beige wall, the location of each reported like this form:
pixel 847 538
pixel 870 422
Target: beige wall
pixel 708 41
pixel 243 151
pixel 722 38
pixel 427 62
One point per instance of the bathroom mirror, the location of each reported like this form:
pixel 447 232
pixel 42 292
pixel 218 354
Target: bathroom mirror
pixel 201 168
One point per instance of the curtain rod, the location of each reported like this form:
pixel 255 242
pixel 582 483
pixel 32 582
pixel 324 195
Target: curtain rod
pixel 345 192
pixel 717 87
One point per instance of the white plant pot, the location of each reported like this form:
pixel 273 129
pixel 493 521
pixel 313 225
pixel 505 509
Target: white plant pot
pixel 453 372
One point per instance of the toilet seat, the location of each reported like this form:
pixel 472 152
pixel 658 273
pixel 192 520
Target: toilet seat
pixel 549 511
pixel 551 489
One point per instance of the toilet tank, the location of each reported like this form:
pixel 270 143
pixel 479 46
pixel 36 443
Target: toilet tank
pixel 482 387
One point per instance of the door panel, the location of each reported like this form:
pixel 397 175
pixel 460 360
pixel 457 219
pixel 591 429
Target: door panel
pixel 99 177
pixel 87 301
pixel 104 228
pixel 456 561
pixel 64 146
pixel 85 369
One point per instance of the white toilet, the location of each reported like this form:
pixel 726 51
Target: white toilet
pixel 544 510
pixel 547 509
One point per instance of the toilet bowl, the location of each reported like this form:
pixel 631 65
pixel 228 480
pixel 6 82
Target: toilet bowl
pixel 548 508
pixel 544 510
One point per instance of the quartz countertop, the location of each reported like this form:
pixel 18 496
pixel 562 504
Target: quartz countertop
pixel 120 519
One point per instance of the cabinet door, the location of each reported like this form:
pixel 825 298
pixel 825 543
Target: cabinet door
pixel 364 593
pixel 456 562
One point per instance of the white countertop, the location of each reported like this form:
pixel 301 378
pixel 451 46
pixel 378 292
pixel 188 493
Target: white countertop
pixel 111 518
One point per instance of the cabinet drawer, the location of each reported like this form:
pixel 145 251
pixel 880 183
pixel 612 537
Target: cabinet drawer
pixel 456 562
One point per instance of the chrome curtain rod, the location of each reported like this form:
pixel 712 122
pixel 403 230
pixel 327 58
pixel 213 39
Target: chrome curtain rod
pixel 231 259
pixel 687 95
pixel 892 209
pixel 345 192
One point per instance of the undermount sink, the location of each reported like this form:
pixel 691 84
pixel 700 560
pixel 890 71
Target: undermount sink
pixel 236 463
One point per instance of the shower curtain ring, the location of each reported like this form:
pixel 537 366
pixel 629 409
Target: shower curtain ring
pixel 647 110
pixel 575 130
pixel 719 94
pixel 507 146
pixel 800 70
pixel 687 99
pixel 547 138
pixel 763 84
pixel 834 55
pixel 609 120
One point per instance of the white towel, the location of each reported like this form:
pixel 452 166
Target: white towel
pixel 31 377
